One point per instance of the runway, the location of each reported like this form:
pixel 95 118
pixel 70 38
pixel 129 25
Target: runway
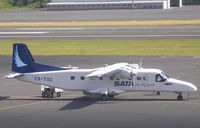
pixel 22 106
pixel 101 33
pixel 183 13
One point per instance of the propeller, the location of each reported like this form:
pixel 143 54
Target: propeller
pixel 140 63
pixel 131 73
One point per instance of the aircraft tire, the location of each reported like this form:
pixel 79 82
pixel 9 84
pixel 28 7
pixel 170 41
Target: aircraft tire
pixel 58 94
pixel 104 97
pixel 43 94
pixel 180 97
pixel 111 96
pixel 50 95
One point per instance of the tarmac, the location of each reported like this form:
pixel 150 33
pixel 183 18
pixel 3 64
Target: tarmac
pixel 183 13
pixel 101 33
pixel 21 104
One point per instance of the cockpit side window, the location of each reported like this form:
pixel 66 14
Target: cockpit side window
pixel 159 78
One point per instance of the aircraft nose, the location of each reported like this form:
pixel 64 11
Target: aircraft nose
pixel 184 86
pixel 193 87
pixel 190 87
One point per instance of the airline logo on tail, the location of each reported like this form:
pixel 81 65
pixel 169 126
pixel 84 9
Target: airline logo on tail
pixel 18 61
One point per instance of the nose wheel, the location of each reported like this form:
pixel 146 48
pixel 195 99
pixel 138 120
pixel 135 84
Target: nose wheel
pixel 104 97
pixel 180 97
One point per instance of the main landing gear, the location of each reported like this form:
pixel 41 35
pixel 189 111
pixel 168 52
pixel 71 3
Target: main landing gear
pixel 180 97
pixel 49 92
pixel 105 97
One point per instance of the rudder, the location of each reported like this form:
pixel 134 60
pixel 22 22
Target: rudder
pixel 22 60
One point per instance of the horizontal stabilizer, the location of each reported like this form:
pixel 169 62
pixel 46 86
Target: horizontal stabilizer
pixel 15 75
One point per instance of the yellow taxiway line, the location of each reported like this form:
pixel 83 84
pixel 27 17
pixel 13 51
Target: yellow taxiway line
pixel 102 23
pixel 22 105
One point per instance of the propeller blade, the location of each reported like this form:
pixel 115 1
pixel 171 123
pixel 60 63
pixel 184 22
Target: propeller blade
pixel 140 63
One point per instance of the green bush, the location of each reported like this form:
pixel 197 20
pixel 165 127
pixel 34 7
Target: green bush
pixel 191 2
pixel 35 3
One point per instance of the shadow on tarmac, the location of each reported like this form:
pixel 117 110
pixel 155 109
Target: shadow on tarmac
pixel 84 101
pixel 79 103
pixel 4 97
pixel 82 98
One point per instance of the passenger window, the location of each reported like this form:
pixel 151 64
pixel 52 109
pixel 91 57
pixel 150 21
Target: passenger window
pixel 139 78
pixel 82 78
pixel 111 78
pixel 145 77
pixel 72 77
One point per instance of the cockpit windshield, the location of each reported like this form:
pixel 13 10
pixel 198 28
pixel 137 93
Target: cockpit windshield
pixel 161 77
pixel 163 74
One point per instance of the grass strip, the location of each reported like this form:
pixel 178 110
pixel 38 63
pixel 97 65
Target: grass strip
pixel 101 23
pixel 107 47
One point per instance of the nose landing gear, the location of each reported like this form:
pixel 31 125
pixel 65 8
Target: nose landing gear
pixel 180 97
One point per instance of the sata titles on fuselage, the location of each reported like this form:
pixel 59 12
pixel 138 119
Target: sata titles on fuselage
pixel 131 84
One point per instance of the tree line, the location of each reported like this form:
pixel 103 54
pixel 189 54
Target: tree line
pixel 36 3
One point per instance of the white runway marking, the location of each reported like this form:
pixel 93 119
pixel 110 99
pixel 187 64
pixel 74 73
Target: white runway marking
pixel 102 36
pixel 12 33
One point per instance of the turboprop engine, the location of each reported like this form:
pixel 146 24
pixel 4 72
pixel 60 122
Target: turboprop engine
pixel 128 71
pixel 125 74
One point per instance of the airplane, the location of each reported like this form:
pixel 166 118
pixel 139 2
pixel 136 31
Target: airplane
pixel 106 81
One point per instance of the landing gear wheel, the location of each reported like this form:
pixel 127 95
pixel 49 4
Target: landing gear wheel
pixel 104 97
pixel 111 96
pixel 43 94
pixel 50 95
pixel 179 97
pixel 58 94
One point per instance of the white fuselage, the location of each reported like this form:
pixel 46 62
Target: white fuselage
pixel 75 80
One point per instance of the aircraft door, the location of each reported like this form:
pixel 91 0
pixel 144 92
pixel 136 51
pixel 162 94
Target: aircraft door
pixel 145 81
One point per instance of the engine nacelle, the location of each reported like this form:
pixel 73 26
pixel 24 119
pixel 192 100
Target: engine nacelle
pixel 125 74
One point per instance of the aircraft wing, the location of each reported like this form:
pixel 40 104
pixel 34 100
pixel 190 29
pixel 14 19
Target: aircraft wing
pixel 15 75
pixel 105 91
pixel 110 70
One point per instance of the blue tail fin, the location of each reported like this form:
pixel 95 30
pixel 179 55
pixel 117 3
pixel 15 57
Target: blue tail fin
pixel 23 61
